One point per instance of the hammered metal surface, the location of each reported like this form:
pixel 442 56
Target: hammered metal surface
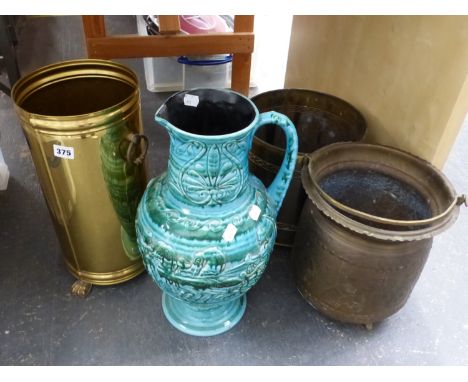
pixel 320 119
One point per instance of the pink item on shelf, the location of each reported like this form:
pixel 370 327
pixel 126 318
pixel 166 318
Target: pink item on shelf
pixel 196 24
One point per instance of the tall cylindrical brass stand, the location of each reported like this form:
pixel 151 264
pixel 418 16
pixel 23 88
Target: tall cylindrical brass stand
pixel 82 122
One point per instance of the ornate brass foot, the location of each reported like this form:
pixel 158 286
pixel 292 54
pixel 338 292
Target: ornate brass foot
pixel 81 288
pixel 369 326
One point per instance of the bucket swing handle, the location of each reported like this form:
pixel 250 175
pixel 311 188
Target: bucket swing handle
pixel 377 219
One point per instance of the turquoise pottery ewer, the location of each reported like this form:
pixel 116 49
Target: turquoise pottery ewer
pixel 206 227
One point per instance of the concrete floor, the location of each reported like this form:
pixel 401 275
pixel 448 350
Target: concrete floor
pixel 41 323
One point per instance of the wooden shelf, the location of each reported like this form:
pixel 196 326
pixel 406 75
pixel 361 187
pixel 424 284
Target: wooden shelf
pixel 240 43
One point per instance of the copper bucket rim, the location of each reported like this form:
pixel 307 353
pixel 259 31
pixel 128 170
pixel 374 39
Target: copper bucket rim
pixel 333 209
pixel 302 154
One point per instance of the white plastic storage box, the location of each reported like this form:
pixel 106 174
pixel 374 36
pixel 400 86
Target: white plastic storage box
pixel 207 71
pixel 162 74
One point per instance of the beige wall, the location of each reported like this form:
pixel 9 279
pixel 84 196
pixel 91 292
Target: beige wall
pixel 408 75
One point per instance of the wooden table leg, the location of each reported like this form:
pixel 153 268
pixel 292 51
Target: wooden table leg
pixel 241 62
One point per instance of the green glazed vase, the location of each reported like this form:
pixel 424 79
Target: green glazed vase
pixel 206 227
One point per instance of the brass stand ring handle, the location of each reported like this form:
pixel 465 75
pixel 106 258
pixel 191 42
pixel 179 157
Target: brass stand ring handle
pixel 135 141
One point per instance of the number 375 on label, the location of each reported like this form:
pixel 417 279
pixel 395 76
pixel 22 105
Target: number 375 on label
pixel 64 152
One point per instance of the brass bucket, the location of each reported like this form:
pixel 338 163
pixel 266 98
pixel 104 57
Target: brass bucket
pixel 366 230
pixel 320 120
pixel 82 122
